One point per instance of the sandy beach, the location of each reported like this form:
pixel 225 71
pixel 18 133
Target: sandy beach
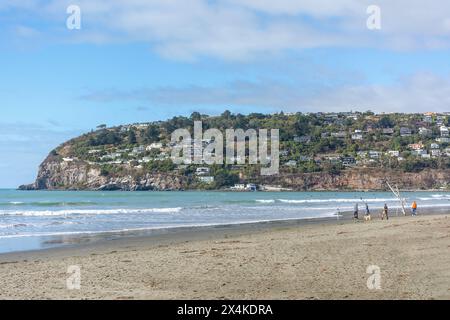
pixel 312 261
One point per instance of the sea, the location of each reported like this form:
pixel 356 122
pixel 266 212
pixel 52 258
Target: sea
pixel 30 219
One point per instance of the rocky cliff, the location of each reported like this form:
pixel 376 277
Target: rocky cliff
pixel 363 179
pixel 56 174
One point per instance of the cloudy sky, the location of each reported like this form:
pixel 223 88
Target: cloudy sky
pixel 143 60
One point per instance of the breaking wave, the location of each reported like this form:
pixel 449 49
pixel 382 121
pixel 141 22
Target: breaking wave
pixel 86 212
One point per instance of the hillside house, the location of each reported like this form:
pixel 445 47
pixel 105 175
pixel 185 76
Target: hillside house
pixel 428 118
pixel 425 132
pixel 435 146
pixel 202 171
pixel 206 179
pixel 349 161
pixel 394 153
pixel 154 145
pixel 443 139
pixel 302 139
pixel 374 154
pixel 291 163
pixel 357 137
pixel 284 153
pixel 138 150
pixel 440 120
pixel 444 131
pixel 416 146
pixel 388 131
pixel 405 132
pixel 339 135
pixel 435 153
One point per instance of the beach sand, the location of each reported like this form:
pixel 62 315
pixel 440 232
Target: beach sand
pixel 317 261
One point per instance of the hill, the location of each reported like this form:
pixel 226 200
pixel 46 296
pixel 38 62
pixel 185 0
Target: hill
pixel 318 151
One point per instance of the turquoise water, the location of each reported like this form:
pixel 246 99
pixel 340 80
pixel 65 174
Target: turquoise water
pixel 27 215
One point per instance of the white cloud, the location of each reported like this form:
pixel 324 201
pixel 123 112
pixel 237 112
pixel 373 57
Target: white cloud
pixel 25 32
pixel 244 29
pixel 319 9
pixel 418 93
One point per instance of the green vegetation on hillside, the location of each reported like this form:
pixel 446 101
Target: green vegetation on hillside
pixel 316 142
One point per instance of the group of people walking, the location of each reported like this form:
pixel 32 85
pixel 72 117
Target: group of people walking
pixel 384 213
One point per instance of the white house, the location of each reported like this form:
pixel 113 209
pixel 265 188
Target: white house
pixel 137 150
pixel 374 154
pixel 202 171
pixel 425 132
pixel 440 120
pixel 435 146
pixel 206 179
pixel 362 154
pixel 443 140
pixel 154 145
pixel 340 134
pixel 428 118
pixel 405 132
pixel 420 152
pixel 394 153
pixel 388 131
pixel 435 153
pixel 291 163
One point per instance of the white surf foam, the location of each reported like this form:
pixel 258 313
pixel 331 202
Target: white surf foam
pixel 86 212
pixel 293 201
pixel 182 225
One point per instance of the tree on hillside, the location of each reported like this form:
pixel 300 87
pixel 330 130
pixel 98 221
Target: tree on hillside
pixel 385 122
pixel 151 134
pixel 132 137
pixel 196 116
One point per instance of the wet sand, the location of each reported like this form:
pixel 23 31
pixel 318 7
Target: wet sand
pixel 290 260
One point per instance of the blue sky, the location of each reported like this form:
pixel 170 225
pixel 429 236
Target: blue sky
pixel 136 61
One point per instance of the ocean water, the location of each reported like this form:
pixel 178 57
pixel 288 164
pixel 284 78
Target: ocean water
pixel 27 217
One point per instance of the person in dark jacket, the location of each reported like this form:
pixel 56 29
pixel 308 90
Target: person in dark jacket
pixel 385 213
pixel 367 216
pixel 356 212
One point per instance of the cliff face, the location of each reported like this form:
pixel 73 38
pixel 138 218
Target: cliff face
pixel 363 179
pixel 55 174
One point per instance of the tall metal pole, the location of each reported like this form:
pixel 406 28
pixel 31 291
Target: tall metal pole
pixel 397 194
